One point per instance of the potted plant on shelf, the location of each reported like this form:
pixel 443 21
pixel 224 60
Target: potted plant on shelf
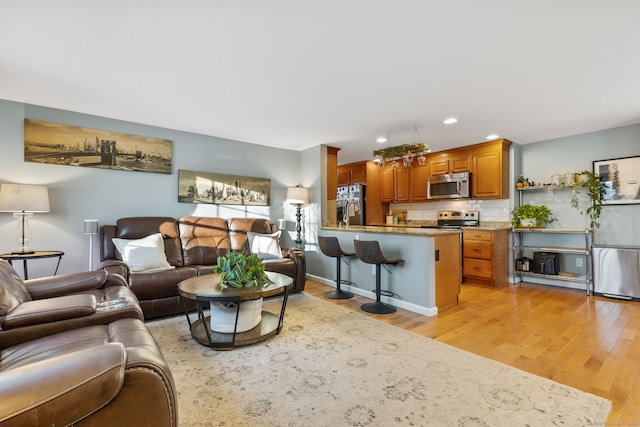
pixel 595 189
pixel 531 216
pixel 238 271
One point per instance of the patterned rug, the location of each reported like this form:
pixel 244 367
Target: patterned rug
pixel 334 367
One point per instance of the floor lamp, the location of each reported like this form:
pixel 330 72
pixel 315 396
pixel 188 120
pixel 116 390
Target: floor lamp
pixel 91 229
pixel 23 200
pixel 298 197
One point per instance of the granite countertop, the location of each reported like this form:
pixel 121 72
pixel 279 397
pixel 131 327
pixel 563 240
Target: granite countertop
pixel 399 229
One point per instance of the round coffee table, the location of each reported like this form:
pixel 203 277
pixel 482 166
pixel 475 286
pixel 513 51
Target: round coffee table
pixel 207 288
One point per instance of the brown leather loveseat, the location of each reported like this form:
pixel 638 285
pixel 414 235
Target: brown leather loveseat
pixel 192 246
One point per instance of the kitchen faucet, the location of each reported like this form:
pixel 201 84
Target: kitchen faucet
pixel 346 216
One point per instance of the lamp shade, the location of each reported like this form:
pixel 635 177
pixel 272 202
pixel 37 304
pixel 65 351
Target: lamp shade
pixel 24 198
pixel 297 196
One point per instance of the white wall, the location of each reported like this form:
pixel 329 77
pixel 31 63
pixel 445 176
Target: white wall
pixel 78 193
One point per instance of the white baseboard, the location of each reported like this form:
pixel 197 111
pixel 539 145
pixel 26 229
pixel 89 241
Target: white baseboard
pixel 425 311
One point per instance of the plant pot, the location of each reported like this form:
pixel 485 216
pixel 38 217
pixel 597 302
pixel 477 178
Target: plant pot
pixel 528 222
pixel 223 317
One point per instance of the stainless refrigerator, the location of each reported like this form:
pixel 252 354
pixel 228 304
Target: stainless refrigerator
pixel 350 203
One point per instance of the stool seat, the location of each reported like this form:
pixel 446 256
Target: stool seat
pixel 369 252
pixel 330 247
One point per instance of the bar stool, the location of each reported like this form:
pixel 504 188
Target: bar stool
pixel 369 252
pixel 331 248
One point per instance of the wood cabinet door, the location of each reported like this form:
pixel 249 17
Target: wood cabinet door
pixel 487 175
pixel 419 177
pixel 344 176
pixel 386 184
pixel 460 164
pixel 438 167
pixel 402 183
pixel 359 173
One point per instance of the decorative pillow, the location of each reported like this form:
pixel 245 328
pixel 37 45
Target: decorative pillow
pixel 143 255
pixel 266 246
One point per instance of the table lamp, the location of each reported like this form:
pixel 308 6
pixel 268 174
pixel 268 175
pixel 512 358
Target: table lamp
pixel 23 200
pixel 298 196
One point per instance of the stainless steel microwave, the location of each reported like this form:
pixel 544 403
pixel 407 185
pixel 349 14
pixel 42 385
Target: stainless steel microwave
pixel 449 186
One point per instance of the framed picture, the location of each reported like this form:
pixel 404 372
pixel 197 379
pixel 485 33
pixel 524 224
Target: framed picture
pixel 222 189
pixel 58 144
pixel 622 178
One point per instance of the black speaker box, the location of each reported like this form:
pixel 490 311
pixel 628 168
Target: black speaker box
pixel 546 263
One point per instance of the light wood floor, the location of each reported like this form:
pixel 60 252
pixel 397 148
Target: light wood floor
pixel 590 343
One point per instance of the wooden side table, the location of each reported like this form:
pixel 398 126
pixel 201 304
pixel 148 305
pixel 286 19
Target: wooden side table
pixel 34 255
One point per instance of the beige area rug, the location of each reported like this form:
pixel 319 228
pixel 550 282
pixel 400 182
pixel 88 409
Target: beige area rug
pixel 334 367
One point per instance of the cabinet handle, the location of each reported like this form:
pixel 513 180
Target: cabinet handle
pixel 476 250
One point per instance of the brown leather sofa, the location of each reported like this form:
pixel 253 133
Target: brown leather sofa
pixel 38 307
pixel 192 245
pixel 101 375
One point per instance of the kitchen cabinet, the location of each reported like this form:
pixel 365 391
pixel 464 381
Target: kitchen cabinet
pixel 394 183
pixel 490 170
pixel 486 257
pixel 447 256
pixel 488 163
pixel 452 161
pixel 352 173
pixel 418 184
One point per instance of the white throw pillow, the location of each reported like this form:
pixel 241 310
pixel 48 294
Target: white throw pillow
pixel 266 246
pixel 143 255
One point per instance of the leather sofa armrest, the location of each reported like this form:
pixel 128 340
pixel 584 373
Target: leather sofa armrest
pixel 64 389
pixel 297 255
pixel 115 266
pixel 66 284
pixel 50 310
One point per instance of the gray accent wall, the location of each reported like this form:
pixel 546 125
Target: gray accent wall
pixel 620 224
pixel 78 193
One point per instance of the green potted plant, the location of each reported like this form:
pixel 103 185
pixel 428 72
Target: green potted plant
pixel 595 189
pixel 531 216
pixel 241 271
pixel 238 271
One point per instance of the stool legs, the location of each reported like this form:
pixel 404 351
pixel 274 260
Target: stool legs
pixel 378 307
pixel 338 293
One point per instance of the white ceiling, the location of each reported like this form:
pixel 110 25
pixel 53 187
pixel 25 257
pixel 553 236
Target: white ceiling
pixel 298 73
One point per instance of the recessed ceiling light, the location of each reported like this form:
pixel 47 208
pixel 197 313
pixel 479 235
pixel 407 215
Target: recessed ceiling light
pixel 493 136
pixel 381 140
pixel 450 121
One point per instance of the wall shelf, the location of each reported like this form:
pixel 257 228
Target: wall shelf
pixel 522 243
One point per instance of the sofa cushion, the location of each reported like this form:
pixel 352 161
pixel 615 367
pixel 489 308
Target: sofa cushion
pixel 238 229
pixel 139 227
pixel 266 246
pixel 203 239
pixel 12 289
pixel 143 255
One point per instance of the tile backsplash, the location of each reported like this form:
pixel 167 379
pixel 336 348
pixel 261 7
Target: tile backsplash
pixel 490 210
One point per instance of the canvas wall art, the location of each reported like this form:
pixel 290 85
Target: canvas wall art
pixel 222 189
pixel 622 179
pixel 59 144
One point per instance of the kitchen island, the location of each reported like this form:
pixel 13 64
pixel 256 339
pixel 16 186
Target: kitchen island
pixel 427 281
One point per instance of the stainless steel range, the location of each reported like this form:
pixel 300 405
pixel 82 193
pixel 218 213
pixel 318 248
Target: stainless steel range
pixel 456 219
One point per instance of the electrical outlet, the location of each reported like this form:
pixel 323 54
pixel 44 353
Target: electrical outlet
pixel 578 262
pixel 357 237
pixel 373 269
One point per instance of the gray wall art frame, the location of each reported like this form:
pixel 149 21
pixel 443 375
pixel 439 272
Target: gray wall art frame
pixel 622 178
pixel 59 144
pixel 222 189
